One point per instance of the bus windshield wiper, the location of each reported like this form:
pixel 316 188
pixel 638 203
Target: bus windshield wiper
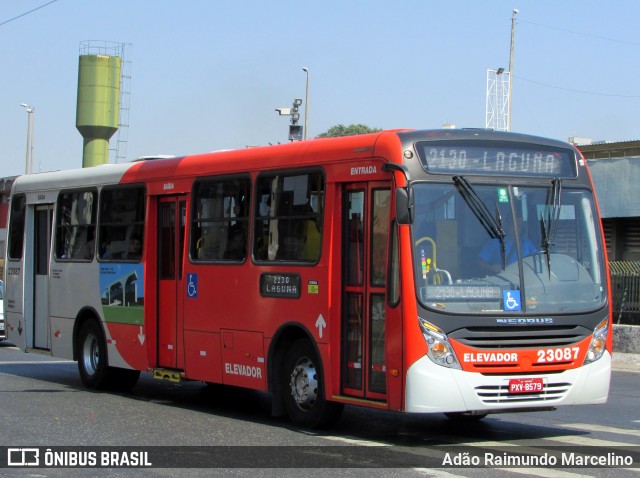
pixel 550 225
pixel 493 225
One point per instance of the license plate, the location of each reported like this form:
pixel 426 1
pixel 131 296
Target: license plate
pixel 526 385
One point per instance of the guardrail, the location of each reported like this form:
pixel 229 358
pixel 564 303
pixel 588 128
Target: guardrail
pixel 625 289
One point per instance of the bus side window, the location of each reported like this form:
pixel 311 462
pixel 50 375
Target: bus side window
pixel 288 219
pixel 312 241
pixel 16 226
pixel 220 219
pixel 75 225
pixel 121 228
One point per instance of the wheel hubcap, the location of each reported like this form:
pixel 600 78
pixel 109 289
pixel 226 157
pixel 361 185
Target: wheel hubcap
pixel 304 384
pixel 91 354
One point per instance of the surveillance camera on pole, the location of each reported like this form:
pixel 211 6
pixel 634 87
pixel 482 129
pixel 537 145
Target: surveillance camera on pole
pixel 284 111
pixel 295 130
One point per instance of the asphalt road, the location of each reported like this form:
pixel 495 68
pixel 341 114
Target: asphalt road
pixel 43 404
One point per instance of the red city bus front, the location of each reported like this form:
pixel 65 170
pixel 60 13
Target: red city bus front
pixel 510 276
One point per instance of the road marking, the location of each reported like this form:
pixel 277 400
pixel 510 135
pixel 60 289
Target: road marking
pixel 355 441
pixel 601 428
pixel 488 444
pixel 585 441
pixel 545 472
pixel 436 473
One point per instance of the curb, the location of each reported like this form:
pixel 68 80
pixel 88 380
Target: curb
pixel 626 347
pixel 624 362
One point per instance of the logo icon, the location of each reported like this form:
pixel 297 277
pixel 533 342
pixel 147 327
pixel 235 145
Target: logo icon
pixel 192 286
pixel 23 457
pixel 511 300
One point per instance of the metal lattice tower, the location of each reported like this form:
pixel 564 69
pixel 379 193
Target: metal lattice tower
pixel 497 111
pixel 122 137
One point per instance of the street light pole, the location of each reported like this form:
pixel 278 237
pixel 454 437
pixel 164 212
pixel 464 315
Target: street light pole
pixel 513 36
pixel 306 105
pixel 30 120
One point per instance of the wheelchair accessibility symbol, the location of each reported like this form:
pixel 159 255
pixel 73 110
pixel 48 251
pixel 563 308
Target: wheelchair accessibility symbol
pixel 511 300
pixel 192 286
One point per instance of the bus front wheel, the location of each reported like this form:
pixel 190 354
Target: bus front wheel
pixel 303 388
pixel 92 362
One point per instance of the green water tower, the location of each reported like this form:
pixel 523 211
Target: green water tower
pixel 98 107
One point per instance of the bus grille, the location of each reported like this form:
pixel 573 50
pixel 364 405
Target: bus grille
pixel 519 337
pixel 496 394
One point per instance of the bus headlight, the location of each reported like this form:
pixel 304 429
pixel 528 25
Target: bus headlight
pixel 598 343
pixel 440 350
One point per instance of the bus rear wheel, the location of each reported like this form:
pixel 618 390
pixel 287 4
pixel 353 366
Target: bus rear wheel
pixel 92 361
pixel 92 358
pixel 303 388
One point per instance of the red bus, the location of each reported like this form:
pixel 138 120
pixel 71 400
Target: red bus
pixel 453 271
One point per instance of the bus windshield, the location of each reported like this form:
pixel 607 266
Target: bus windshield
pixel 506 249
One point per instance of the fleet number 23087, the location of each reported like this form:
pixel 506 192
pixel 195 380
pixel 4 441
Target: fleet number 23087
pixel 564 354
pixel 558 355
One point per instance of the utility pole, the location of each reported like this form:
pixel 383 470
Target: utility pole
pixel 306 104
pixel 30 136
pixel 513 36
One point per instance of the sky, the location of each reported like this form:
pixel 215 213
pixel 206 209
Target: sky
pixel 208 75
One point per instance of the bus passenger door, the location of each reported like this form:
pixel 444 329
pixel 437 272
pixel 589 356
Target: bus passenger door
pixel 43 216
pixel 171 230
pixel 366 214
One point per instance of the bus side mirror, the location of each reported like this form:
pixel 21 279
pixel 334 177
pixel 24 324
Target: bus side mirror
pixel 404 205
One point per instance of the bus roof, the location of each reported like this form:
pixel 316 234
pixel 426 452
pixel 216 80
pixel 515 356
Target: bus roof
pixel 384 144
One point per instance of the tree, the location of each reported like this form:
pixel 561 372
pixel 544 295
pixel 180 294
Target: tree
pixel 342 130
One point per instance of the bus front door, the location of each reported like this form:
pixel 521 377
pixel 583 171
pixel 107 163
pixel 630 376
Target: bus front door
pixel 366 214
pixel 171 230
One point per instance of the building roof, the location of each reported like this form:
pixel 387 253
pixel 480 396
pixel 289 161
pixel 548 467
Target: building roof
pixel 606 149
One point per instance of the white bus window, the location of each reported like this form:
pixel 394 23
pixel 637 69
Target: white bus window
pixel 75 225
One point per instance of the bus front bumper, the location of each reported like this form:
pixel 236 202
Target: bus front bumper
pixel 432 388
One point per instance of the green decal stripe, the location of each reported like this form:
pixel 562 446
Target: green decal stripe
pixel 123 315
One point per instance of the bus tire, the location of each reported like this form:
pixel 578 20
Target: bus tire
pixel 92 356
pixel 303 388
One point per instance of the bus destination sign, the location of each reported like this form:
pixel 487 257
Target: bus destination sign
pixel 496 158
pixel 285 286
pixel 458 292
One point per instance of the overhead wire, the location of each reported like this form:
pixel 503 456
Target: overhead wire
pixel 27 13
pixel 590 35
pixel 573 90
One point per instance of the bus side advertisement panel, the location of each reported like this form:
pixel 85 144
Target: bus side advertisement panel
pixel 122 299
